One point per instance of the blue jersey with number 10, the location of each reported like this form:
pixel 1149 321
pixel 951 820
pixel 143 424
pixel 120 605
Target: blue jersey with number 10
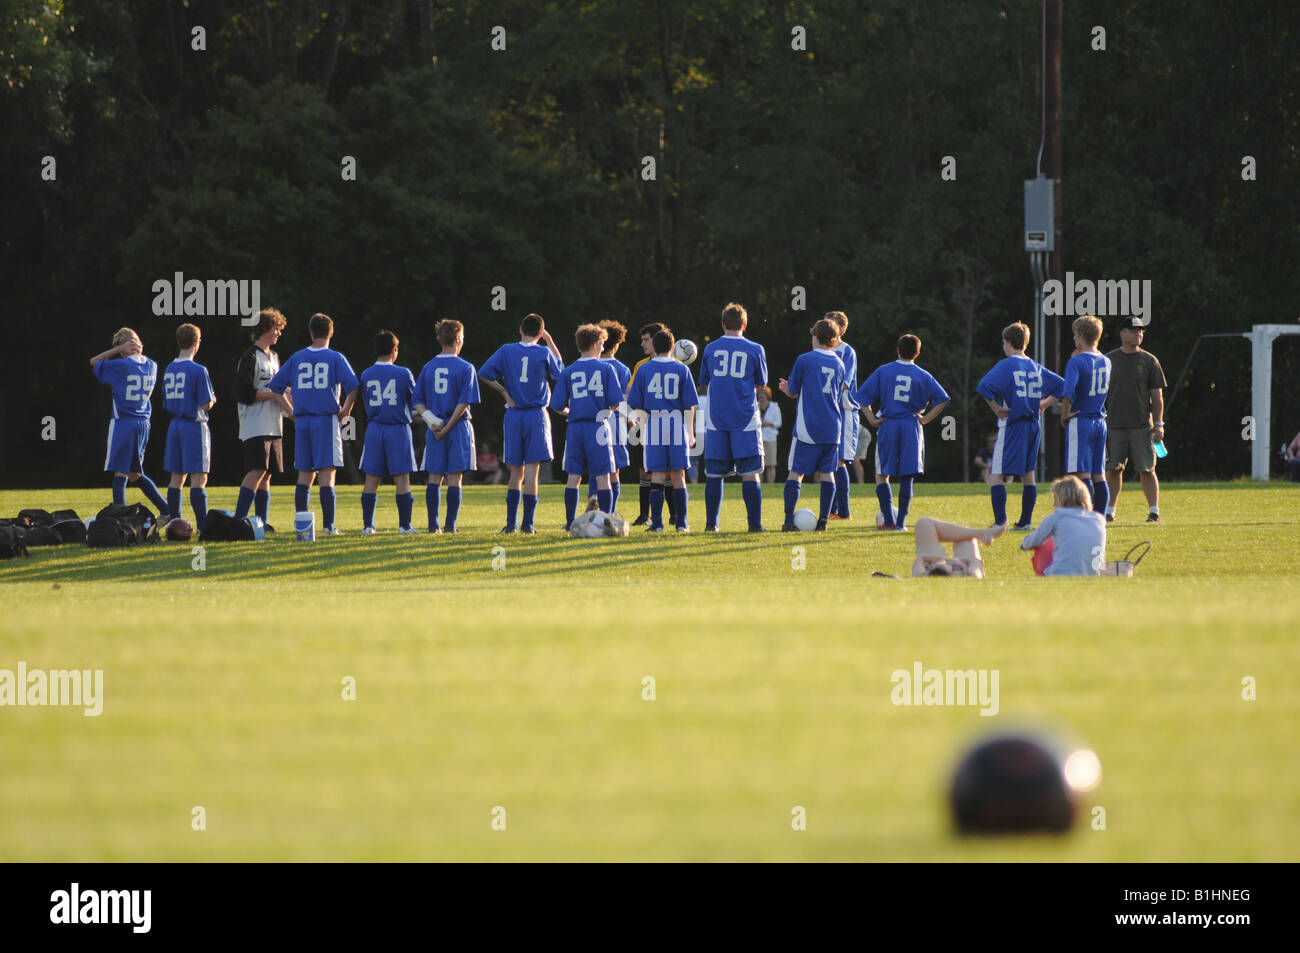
pixel 732 369
pixel 315 374
pixel 587 387
pixel 1087 379
pixel 522 370
pixel 386 389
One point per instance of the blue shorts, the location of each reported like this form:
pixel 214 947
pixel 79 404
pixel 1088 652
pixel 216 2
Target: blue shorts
pixel 454 453
pixel 806 458
pixel 317 442
pixel 618 429
pixel 388 450
pixel 1016 451
pixel 733 451
pixel 900 447
pixel 528 436
pixel 849 431
pixel 127 438
pixel 189 446
pixel 588 449
pixel 663 457
pixel 1085 445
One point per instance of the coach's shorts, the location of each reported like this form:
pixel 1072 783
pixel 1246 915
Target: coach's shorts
pixel 528 436
pixel 1085 445
pixel 454 453
pixel 317 442
pixel 127 438
pixel 189 446
pixel 864 443
pixel 264 453
pixel 388 450
pixel 806 458
pixel 588 448
pixel 733 451
pixel 1130 443
pixel 1016 450
pixel 769 453
pixel 849 434
pixel 900 447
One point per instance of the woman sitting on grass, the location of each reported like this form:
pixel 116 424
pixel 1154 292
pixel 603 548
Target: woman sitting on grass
pixel 1073 536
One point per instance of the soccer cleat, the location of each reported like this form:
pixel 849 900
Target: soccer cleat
pixel 1153 517
pixel 507 530
pixel 527 531
pixel 368 531
pixel 331 531
pixel 654 529
pixel 836 516
pixel 710 529
pixel 640 521
pixel 757 529
pixel 407 531
pixel 683 529
pixel 901 528
pixel 435 530
pixel 1110 517
pixel 789 527
pixel 1021 528
pixel 887 527
pixel 821 526
pixel 268 528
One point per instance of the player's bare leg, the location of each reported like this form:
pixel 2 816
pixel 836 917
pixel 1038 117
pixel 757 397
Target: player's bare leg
pixel 1114 483
pixel 930 531
pixel 1151 487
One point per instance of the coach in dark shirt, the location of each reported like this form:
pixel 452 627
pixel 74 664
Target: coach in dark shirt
pixel 1135 407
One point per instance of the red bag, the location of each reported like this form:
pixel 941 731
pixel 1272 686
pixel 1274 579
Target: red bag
pixel 1042 557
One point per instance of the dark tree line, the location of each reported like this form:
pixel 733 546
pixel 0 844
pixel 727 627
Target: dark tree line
pixel 775 168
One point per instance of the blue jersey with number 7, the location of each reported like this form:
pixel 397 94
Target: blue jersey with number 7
pixel 818 381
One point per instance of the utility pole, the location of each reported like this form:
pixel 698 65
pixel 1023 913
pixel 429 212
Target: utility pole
pixel 1049 91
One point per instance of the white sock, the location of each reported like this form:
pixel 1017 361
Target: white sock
pixel 1154 509
pixel 1110 511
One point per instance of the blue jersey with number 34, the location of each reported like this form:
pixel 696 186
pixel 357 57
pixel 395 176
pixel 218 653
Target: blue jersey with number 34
pixel 386 389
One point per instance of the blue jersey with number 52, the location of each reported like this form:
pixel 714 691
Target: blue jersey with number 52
pixel 386 389
pixel 522 370
pixel 587 387
pixel 900 389
pixel 1019 384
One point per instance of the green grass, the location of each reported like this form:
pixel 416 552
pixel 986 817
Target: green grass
pixel 521 687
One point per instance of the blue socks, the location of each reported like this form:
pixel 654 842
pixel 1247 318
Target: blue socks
pixel 842 492
pixel 405 504
pixel 432 500
pixel 656 506
pixel 173 502
pixel 713 501
pixel 198 503
pixel 605 500
pixel 999 493
pixel 453 508
pixel 327 506
pixel 791 497
pixel 570 505
pixel 146 486
pixel 119 489
pixel 886 497
pixel 512 509
pixel 530 508
pixel 753 494
pixel 301 498
pixel 368 508
pixel 680 498
pixel 904 499
pixel 1028 497
pixel 1100 495
pixel 828 498
pixel 244 503
pixel 262 505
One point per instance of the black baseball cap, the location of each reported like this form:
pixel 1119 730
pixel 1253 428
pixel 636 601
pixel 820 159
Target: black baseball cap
pixel 1136 324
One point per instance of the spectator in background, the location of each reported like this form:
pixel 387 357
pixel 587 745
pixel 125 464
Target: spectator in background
pixel 984 461
pixel 489 465
pixel 864 445
pixel 1135 408
pixel 1292 455
pixel 771 415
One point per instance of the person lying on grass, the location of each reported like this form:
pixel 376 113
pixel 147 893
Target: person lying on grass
pixel 932 558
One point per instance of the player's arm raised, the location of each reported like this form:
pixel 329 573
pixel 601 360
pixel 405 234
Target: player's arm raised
pixel 126 347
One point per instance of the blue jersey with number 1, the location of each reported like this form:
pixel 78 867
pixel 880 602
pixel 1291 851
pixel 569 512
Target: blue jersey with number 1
pixel 522 370
pixel 386 389
pixel 316 375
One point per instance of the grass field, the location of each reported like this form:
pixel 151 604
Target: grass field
pixel 521 687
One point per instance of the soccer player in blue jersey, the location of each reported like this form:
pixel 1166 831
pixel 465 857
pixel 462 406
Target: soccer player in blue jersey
pixel 732 371
pixel 188 396
pixel 665 398
pixel 1083 411
pixel 852 422
pixel 616 334
pixel 646 335
pixel 324 389
pixel 899 399
pixel 444 391
pixel 1018 389
pixel 523 369
pixel 387 391
pixel 817 381
pixel 588 392
pixel 131 379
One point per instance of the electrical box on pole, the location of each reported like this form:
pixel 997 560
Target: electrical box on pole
pixel 1040 224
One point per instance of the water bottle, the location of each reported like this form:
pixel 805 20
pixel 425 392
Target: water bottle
pixel 1161 452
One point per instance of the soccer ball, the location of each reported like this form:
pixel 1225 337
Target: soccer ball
pixel 880 517
pixel 1011 784
pixel 686 351
pixel 805 520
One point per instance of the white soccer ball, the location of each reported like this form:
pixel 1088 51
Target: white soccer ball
pixel 880 517
pixel 686 351
pixel 805 520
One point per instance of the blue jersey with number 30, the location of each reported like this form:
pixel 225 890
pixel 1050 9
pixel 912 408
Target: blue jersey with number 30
pixel 386 389
pixel 731 370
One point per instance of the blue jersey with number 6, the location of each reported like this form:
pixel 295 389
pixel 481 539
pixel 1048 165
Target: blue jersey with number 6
pixel 386 389
pixel 444 382
pixel 316 375
pixel 522 370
